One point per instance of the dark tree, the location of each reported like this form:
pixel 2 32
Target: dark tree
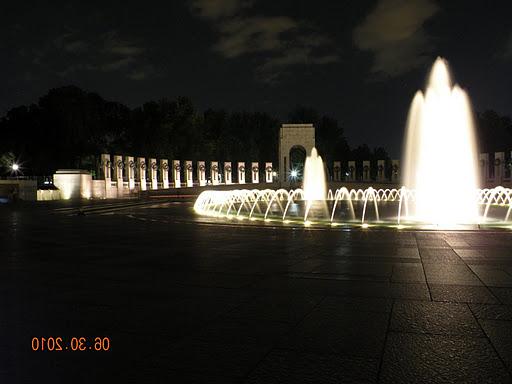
pixel 494 132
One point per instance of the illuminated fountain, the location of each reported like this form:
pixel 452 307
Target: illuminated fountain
pixel 315 187
pixel 440 153
pixel 440 178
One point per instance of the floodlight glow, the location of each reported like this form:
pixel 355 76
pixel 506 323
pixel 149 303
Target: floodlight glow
pixel 15 167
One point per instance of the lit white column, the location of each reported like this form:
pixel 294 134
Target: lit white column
pixel 381 170
pixel 268 172
pixel 153 173
pixel 241 172
pixel 214 172
pixel 366 170
pixel 118 174
pixel 351 170
pixel 255 173
pixel 201 173
pixel 499 167
pixel 484 168
pixel 105 166
pixel 395 174
pixel 129 165
pixel 227 173
pixel 337 171
pixel 141 173
pixel 176 173
pixel 164 173
pixel 189 173
pixel 106 173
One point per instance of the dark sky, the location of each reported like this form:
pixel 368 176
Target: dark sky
pixel 359 61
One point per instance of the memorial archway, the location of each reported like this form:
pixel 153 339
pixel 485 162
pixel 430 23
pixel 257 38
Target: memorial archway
pixel 294 140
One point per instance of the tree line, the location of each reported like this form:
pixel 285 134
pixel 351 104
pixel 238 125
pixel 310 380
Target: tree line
pixel 69 127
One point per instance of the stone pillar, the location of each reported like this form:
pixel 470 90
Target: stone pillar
pixel 214 172
pixel 499 167
pixel 337 171
pixel 176 173
pixel 105 166
pixel 153 173
pixel 141 171
pixel 255 173
pixel 106 171
pixel 227 173
pixel 484 168
pixel 366 170
pixel 164 173
pixel 241 172
pixel 395 173
pixel 189 173
pixel 201 173
pixel 118 174
pixel 352 171
pixel 129 165
pixel 268 172
pixel 381 170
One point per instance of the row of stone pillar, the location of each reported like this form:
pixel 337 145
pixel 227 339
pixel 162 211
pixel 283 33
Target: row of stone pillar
pixel 499 167
pixel 350 174
pixel 155 174
pixel 491 171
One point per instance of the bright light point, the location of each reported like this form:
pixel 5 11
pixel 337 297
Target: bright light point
pixel 240 218
pixel 252 219
pixel 400 226
pixel 307 223
pixel 293 173
pixel 15 167
pixel 365 225
pixel 334 224
pixel 267 220
pixel 287 221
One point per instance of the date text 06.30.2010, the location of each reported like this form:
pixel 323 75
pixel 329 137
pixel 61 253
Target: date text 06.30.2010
pixel 70 344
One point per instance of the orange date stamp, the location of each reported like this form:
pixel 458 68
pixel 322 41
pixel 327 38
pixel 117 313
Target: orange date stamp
pixel 70 344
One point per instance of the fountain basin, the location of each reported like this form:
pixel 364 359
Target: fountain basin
pixel 346 208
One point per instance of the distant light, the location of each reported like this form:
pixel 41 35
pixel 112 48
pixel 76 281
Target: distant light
pixel 274 173
pixel 365 225
pixel 15 167
pixel 294 173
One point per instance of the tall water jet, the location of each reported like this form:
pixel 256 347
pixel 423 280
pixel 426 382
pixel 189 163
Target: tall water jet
pixel 314 178
pixel 440 153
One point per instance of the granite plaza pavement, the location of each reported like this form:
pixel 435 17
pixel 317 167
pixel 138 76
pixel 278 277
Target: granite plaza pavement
pixel 187 300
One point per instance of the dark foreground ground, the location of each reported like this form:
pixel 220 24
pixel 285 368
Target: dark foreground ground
pixel 189 302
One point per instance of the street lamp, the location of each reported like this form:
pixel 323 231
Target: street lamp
pixel 15 167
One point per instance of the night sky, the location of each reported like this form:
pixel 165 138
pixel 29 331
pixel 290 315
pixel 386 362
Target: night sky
pixel 358 61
